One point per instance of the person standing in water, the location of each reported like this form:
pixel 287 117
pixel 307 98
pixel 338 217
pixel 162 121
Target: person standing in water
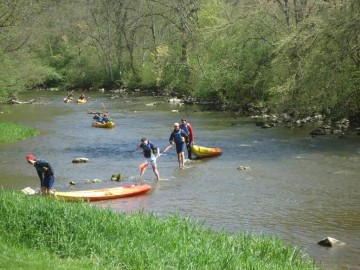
pixel 149 150
pixel 178 137
pixel 185 126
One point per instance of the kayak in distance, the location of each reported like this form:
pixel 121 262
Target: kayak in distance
pixel 202 152
pixel 81 101
pixel 104 193
pixel 68 100
pixel 103 125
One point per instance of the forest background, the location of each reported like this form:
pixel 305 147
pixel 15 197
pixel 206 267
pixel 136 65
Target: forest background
pixel 295 56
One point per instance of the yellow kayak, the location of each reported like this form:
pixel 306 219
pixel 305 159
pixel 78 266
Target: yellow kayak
pixel 103 194
pixel 201 151
pixel 104 125
pixel 68 100
pixel 80 101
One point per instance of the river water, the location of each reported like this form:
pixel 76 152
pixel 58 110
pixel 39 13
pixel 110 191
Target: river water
pixel 298 188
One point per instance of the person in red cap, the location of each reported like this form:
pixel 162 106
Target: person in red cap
pixel 45 173
pixel 185 126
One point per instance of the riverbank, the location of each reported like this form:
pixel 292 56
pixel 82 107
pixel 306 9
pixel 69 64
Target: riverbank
pixel 73 233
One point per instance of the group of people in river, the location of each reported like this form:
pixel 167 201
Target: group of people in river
pixel 182 137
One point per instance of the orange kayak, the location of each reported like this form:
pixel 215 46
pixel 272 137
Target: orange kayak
pixel 201 151
pixel 103 194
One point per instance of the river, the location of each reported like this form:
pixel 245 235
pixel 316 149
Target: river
pixel 296 187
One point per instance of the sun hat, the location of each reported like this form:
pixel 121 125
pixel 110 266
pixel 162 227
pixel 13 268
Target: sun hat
pixel 30 157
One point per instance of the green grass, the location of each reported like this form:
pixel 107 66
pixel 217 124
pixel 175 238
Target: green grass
pixel 10 132
pixel 46 230
pixel 16 257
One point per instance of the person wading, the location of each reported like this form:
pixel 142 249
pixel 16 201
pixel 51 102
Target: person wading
pixel 149 150
pixel 178 137
pixel 185 126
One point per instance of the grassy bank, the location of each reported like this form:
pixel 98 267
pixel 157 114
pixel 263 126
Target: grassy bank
pixel 10 132
pixel 80 236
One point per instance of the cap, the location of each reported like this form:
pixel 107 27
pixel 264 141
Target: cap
pixel 176 124
pixel 30 157
pixel 143 139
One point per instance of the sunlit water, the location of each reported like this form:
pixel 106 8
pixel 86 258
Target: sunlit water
pixel 296 187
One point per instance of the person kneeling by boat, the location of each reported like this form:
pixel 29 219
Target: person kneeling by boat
pixel 45 173
pixel 149 153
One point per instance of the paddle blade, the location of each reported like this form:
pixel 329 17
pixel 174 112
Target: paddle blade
pixel 143 165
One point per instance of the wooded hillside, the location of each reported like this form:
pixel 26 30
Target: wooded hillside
pixel 299 56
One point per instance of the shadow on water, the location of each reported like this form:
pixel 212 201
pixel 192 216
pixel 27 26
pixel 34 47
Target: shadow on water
pixel 299 188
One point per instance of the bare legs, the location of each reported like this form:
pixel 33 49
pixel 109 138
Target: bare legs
pixel 155 170
pixel 181 159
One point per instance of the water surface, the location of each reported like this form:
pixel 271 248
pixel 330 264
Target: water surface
pixel 298 188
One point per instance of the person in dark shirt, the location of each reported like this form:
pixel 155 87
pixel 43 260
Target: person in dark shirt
pixel 149 150
pixel 185 126
pixel 179 138
pixel 98 118
pixel 45 173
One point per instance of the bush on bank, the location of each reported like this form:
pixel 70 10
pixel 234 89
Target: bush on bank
pixel 109 240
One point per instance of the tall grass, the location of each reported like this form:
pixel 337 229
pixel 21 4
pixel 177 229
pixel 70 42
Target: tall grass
pixel 10 132
pixel 137 241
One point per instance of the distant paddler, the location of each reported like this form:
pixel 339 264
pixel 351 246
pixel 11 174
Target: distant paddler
pixel 68 98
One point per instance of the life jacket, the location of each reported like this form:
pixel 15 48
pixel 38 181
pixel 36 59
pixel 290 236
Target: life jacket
pixel 177 137
pixel 147 150
pixel 185 128
pixel 98 118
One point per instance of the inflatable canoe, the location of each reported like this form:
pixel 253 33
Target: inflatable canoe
pixel 103 194
pixel 104 125
pixel 80 101
pixel 201 151
pixel 67 100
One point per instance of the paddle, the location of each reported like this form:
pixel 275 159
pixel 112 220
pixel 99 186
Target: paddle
pixel 107 112
pixel 83 93
pixel 144 165
pixel 65 98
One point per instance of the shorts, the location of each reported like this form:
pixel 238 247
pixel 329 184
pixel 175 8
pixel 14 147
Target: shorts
pixel 151 161
pixel 180 147
pixel 48 182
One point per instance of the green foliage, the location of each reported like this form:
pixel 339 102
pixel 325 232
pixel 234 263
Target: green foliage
pixel 10 132
pixel 136 241
pixel 317 66
pixel 237 65
pixel 229 52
